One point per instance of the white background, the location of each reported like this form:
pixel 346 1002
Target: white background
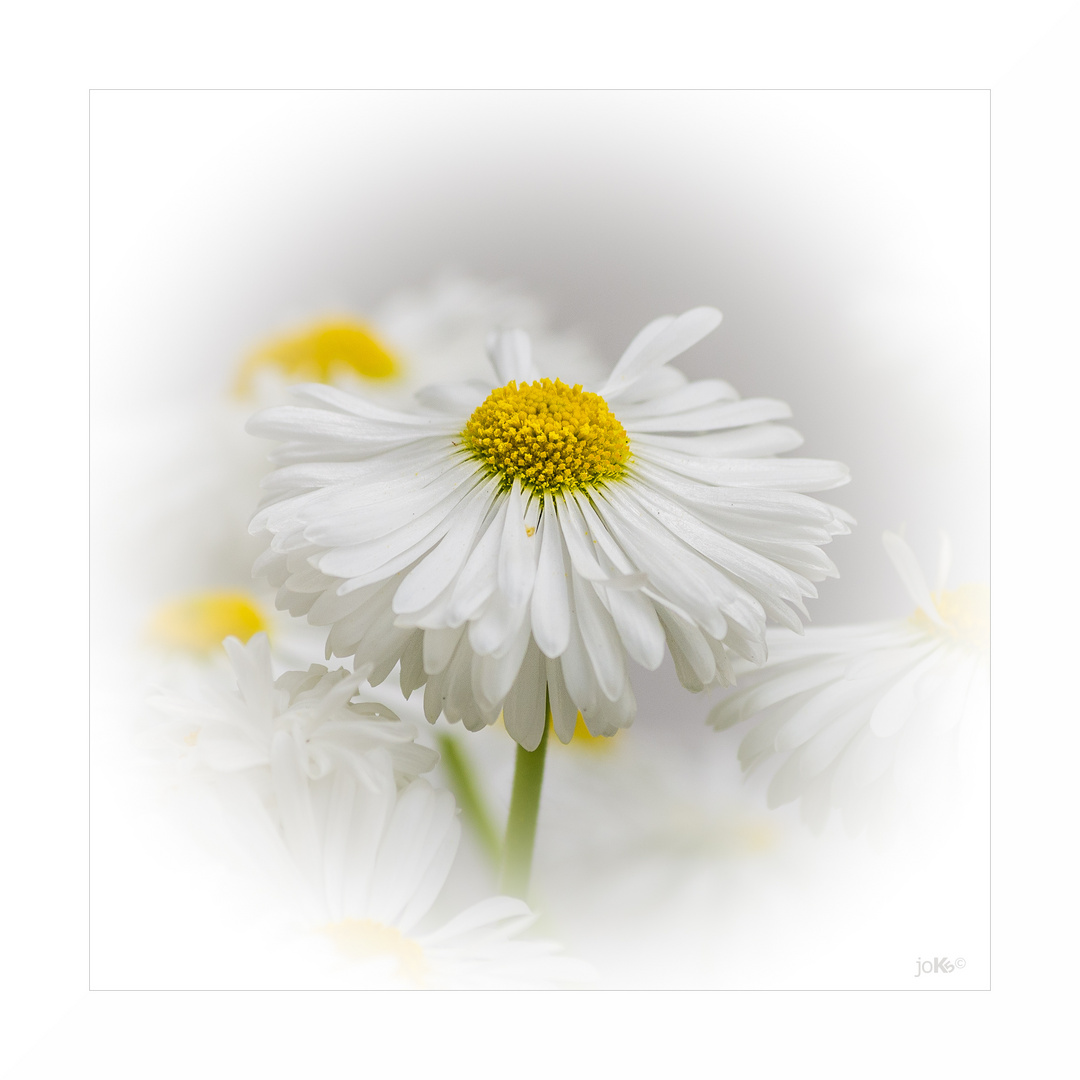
pixel 44 797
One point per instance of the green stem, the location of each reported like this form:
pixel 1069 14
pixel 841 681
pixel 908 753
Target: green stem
pixel 464 785
pixel 524 807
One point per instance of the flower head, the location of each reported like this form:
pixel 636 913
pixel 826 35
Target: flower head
pixel 514 545
pixel 869 717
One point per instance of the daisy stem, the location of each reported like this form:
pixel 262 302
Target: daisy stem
pixel 469 796
pixel 521 824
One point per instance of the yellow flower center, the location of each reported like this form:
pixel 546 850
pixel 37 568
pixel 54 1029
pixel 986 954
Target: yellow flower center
pixel 322 353
pixel 966 613
pixel 365 939
pixel 200 623
pixel 549 435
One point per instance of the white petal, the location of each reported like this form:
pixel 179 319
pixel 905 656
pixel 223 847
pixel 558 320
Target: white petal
pixel 440 566
pixel 414 857
pixel 564 712
pixel 896 705
pixel 517 551
pixel 601 639
pixel 373 803
pixel 577 670
pixel 511 355
pixel 677 572
pixel 456 398
pixel 524 711
pixel 907 566
pixel 758 440
pixel 498 672
pixel 662 340
pixel 293 799
pixel 694 661
pixel 479 578
pixel 492 632
pixel 578 542
pixel 691 396
pixel 818 712
pixel 438 648
pixel 780 683
pixel 716 417
pixel 550 608
pixel 790 474
pixel 372 512
pixel 489 912
pixel 339 812
pixel 828 744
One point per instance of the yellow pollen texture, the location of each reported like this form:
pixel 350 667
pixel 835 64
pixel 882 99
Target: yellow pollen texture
pixel 549 435
pixel 321 353
pixel 966 612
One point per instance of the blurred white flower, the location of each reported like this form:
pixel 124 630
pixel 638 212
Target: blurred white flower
pixel 517 544
pixel 871 718
pixel 413 338
pixel 319 793
pixel 235 729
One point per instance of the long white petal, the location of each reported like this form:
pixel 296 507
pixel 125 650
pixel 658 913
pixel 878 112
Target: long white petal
pixel 510 353
pixel 517 551
pixel 550 606
pixel 907 566
pixel 601 639
pixel 659 342
pixel 442 565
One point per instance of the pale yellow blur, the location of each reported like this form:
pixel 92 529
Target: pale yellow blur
pixel 201 622
pixel 322 353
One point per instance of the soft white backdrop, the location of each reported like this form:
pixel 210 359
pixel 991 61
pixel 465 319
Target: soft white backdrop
pixel 844 236
pixel 959 44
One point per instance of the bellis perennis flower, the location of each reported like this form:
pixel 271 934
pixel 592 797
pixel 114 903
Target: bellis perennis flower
pixel 319 794
pixel 871 717
pixel 514 545
pixel 314 710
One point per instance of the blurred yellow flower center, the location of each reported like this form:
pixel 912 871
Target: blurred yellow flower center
pixel 549 435
pixel 322 353
pixel 966 613
pixel 366 939
pixel 200 623
pixel 586 740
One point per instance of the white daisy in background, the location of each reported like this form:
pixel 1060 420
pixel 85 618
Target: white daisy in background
pixel 871 718
pixel 321 793
pixel 187 632
pixel 232 729
pixel 410 339
pixel 517 544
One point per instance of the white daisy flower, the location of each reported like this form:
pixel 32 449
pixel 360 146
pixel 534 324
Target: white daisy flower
pixel 374 860
pixel 517 544
pixel 871 717
pixel 320 793
pixel 242 728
